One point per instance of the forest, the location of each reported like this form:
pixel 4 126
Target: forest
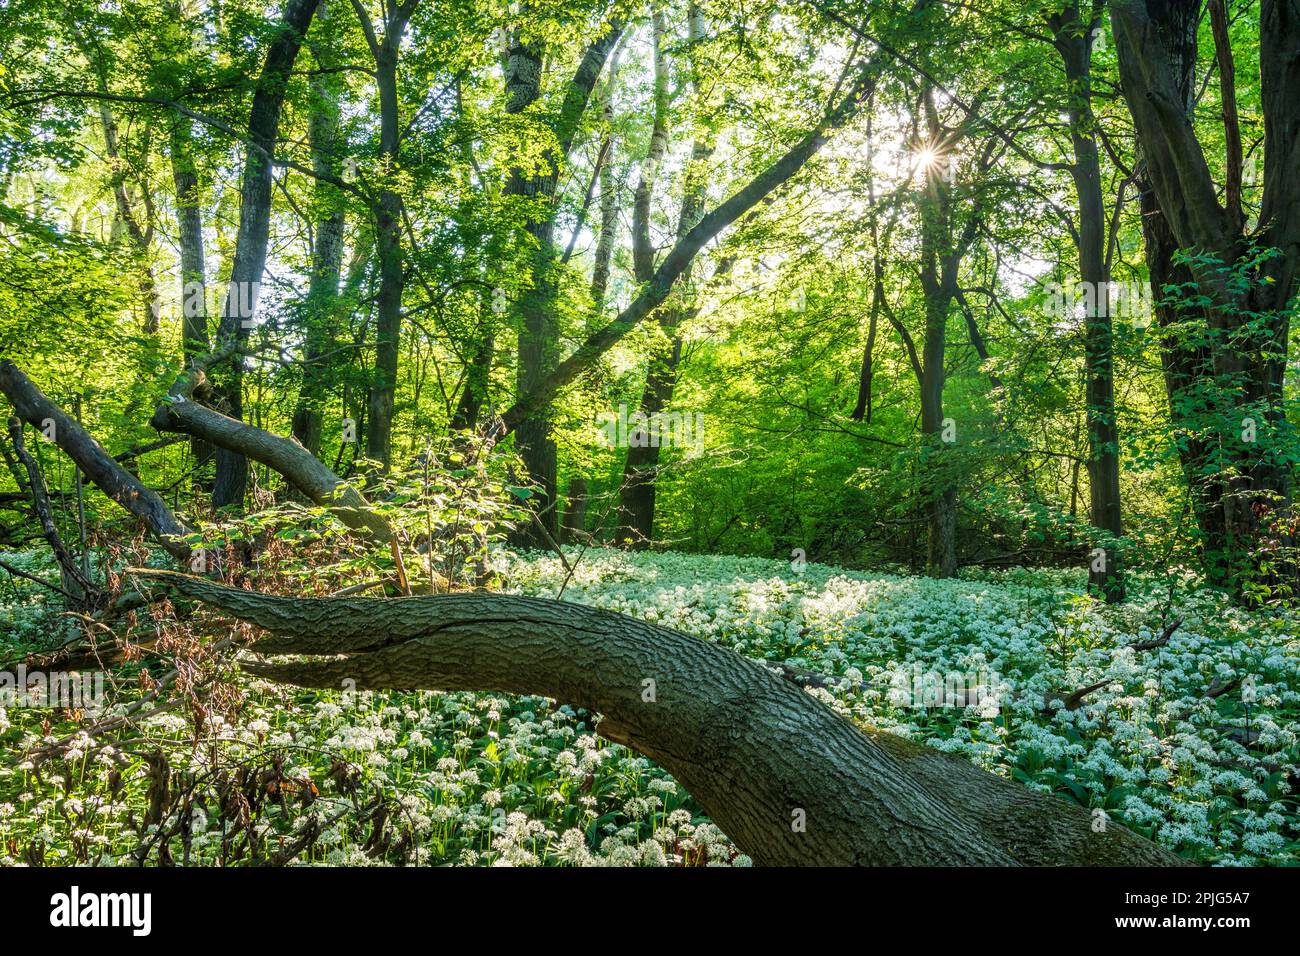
pixel 630 433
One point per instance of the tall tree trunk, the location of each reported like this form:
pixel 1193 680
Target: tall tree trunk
pixel 1073 37
pixel 388 249
pixel 941 505
pixel 254 230
pixel 387 212
pixel 637 491
pixel 141 236
pixel 537 342
pixel 862 407
pixel 538 345
pixel 189 223
pixel 939 272
pixel 320 336
pixel 608 234
pixel 1246 324
pixel 1185 363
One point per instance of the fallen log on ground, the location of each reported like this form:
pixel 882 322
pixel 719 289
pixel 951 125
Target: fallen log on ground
pixel 785 777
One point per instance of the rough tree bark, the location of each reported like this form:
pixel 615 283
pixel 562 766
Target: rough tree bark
pixel 539 333
pixel 1247 323
pixel 784 776
pixel 254 227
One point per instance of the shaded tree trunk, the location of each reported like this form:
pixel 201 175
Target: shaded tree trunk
pixel 1073 38
pixel 537 342
pixel 940 262
pixel 326 265
pixel 1185 362
pixel 475 392
pixel 1246 324
pixel 574 525
pixel 538 346
pixel 388 251
pixel 636 508
pixel 189 223
pixel 941 504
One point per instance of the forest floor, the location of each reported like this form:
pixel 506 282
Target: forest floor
pixel 1193 742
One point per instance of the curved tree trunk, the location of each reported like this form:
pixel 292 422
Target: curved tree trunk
pixel 785 777
pixel 286 456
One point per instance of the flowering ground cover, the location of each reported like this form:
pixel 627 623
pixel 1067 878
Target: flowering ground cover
pixel 1191 741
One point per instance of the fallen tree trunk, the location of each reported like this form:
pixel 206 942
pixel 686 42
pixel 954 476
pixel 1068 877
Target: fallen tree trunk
pixel 33 407
pixel 299 466
pixel 180 413
pixel 785 777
